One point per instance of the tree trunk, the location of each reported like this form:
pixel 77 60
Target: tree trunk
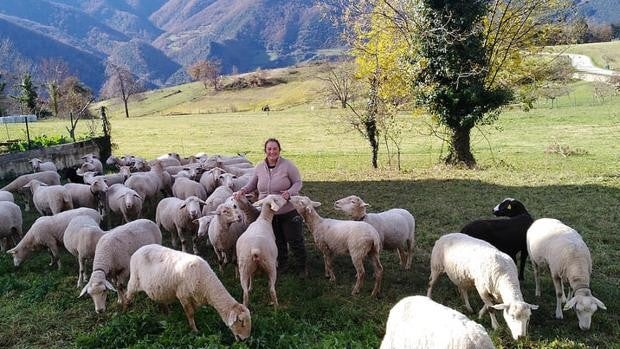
pixel 371 131
pixel 459 152
pixel 126 109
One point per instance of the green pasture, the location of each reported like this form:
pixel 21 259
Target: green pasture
pixel 516 158
pixel 603 54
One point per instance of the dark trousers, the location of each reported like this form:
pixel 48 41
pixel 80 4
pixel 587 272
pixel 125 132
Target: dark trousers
pixel 288 229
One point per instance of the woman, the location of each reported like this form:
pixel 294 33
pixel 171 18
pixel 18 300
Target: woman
pixel 277 175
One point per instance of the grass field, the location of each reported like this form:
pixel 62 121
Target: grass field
pixel 39 308
pixel 603 54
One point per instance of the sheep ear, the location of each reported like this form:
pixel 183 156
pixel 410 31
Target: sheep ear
pixel 599 303
pixel 109 286
pixel 11 251
pixel 84 290
pixel 275 207
pixel 571 303
pixel 138 196
pixel 316 204
pixel 532 306
pixel 232 317
pixel 500 306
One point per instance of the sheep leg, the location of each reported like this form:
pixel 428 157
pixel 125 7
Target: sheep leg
pixel 188 307
pixel 358 263
pixel 246 280
pixel 329 270
pixel 271 275
pixel 488 306
pixel 559 293
pixel 465 296
pixel 536 278
pixel 55 258
pixel 174 239
pixel 409 254
pixel 80 271
pixel 402 258
pixel 432 280
pixel 378 268
pixel 523 256
pixel 564 295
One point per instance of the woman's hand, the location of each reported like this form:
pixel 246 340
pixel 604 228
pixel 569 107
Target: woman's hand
pixel 285 194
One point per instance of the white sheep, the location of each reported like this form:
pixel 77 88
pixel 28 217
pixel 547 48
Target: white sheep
pixel 82 195
pixel 92 159
pixel 115 178
pixel 49 200
pixel 80 239
pixel 11 224
pixel 184 187
pixel 17 185
pixel 150 184
pixel 166 275
pixel 124 201
pixel 222 237
pixel 396 226
pixel 48 231
pixel 418 322
pixel 219 196
pixel 469 263
pixel 6 196
pixel 112 256
pixel 338 237
pixel 209 179
pixel 554 244
pixel 256 248
pixel 39 165
pixel 180 219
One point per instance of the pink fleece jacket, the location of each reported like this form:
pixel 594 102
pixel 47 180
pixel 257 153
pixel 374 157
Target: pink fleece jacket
pixel 284 176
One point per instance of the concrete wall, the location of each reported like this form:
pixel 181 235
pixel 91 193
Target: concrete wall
pixel 63 155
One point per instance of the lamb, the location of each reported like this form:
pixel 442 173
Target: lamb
pixel 11 227
pixel 551 242
pixel 507 234
pixel 165 275
pixel 179 217
pixel 112 256
pixel 418 322
pixel 222 237
pixel 125 202
pixel 256 248
pixel 80 239
pixel 17 185
pixel 6 196
pixel 337 237
pixel 39 165
pixel 82 195
pixel 49 200
pixel 471 262
pixel 185 187
pixel 395 226
pixel 48 231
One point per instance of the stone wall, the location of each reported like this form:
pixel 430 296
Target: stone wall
pixel 63 155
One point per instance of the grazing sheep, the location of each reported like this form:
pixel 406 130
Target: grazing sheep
pixel 80 239
pixel 49 200
pixel 166 275
pixel 112 256
pixel 82 195
pixel 11 224
pixel 179 218
pixel 48 232
pixel 418 322
pixel 471 262
pixel 507 234
pixel 337 237
pixel 395 226
pixel 551 242
pixel 125 202
pixel 256 248
pixel 222 237
pixel 185 187
pixel 39 165
pixel 17 185
pixel 6 196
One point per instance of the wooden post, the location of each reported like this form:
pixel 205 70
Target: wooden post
pixel 27 131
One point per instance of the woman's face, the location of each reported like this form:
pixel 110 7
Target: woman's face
pixel 272 151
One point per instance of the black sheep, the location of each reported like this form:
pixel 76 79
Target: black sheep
pixel 506 234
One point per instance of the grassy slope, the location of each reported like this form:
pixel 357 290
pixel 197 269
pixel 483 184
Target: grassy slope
pixel 602 53
pixel 583 191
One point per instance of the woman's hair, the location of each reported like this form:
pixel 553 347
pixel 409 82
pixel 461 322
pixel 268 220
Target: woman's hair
pixel 271 140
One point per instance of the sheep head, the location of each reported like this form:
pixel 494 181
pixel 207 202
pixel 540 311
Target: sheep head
pixel 274 201
pixel 303 204
pixel 19 254
pixel 96 288
pixel 239 321
pixel 509 208
pixel 192 206
pixel 352 205
pixel 517 315
pixel 203 224
pixel 585 304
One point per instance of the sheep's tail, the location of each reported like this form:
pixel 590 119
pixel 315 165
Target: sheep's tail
pixel 255 252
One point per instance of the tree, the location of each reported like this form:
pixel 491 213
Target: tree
pixel 27 97
pixel 120 83
pixel 75 98
pixel 53 72
pixel 207 71
pixel 2 96
pixel 339 78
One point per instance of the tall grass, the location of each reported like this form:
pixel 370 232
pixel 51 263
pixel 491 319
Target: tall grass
pixel 39 308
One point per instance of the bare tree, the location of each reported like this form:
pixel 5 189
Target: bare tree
pixel 207 71
pixel 74 100
pixel 339 78
pixel 53 71
pixel 120 83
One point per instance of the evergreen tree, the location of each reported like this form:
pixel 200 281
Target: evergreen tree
pixel 28 96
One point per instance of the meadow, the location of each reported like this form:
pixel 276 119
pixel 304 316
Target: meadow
pixel 518 157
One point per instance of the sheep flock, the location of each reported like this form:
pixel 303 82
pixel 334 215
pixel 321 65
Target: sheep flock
pixel 157 226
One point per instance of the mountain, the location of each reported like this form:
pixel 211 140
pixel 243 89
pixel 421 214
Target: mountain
pixel 158 39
